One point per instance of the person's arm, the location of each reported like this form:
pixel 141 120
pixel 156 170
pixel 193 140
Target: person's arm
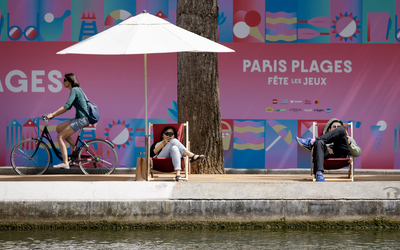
pixel 152 154
pixel 59 111
pixel 158 147
pixel 355 150
pixel 72 96
pixel 66 107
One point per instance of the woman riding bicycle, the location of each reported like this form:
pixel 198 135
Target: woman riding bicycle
pixel 68 128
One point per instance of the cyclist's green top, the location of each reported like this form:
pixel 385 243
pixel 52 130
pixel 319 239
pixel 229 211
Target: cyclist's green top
pixel 76 97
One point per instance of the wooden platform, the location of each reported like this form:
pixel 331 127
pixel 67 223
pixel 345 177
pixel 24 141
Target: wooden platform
pixel 195 178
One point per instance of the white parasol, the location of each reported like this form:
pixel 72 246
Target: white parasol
pixel 144 34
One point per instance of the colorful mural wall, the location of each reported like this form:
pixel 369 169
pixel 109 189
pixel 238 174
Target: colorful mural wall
pixel 296 61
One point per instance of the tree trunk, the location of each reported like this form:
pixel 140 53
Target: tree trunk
pixel 198 87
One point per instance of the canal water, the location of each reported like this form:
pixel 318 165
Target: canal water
pixel 201 239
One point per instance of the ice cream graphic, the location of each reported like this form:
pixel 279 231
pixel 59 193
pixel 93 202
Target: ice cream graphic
pixel 247 25
pixel 377 132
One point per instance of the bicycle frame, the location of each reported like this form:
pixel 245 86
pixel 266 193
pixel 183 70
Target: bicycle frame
pixel 46 135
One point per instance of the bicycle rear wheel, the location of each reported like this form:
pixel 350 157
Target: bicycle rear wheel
pixel 97 157
pixel 26 160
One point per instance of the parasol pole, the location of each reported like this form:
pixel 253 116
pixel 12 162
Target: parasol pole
pixel 147 153
pixel 145 94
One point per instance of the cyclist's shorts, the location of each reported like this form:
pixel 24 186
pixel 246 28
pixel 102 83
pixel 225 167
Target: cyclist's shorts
pixel 78 123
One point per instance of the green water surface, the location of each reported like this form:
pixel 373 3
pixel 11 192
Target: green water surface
pixel 201 239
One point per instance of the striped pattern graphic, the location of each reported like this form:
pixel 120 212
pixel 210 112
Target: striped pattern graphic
pixel 281 26
pixel 248 135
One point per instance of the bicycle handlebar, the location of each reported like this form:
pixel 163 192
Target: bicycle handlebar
pixel 44 117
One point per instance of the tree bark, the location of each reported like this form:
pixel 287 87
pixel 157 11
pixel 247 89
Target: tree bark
pixel 198 87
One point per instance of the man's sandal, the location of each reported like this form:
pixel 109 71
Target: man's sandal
pixel 179 179
pixel 193 159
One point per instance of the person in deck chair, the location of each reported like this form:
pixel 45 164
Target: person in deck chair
pixel 334 143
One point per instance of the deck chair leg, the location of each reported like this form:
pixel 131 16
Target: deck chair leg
pixel 186 168
pixel 151 168
pixel 312 171
pixel 312 167
pixel 349 174
pixel 352 169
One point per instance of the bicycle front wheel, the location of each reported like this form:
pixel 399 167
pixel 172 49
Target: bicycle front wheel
pixel 97 157
pixel 30 157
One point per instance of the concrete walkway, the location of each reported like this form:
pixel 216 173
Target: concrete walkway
pixel 228 197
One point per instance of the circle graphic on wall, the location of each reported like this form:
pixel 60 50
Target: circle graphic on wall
pixel 346 27
pixel 116 17
pixel 119 134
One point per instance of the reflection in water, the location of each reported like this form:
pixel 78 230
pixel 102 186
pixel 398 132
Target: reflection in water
pixel 200 239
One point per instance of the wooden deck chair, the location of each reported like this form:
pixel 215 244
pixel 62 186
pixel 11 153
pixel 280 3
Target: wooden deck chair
pixel 334 163
pixel 163 166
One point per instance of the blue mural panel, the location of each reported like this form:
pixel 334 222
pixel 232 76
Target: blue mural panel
pixel 281 21
pixel 249 144
pixel 313 21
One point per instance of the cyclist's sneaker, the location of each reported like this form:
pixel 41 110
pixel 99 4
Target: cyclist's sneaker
pixel 61 165
pixel 305 143
pixel 320 177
